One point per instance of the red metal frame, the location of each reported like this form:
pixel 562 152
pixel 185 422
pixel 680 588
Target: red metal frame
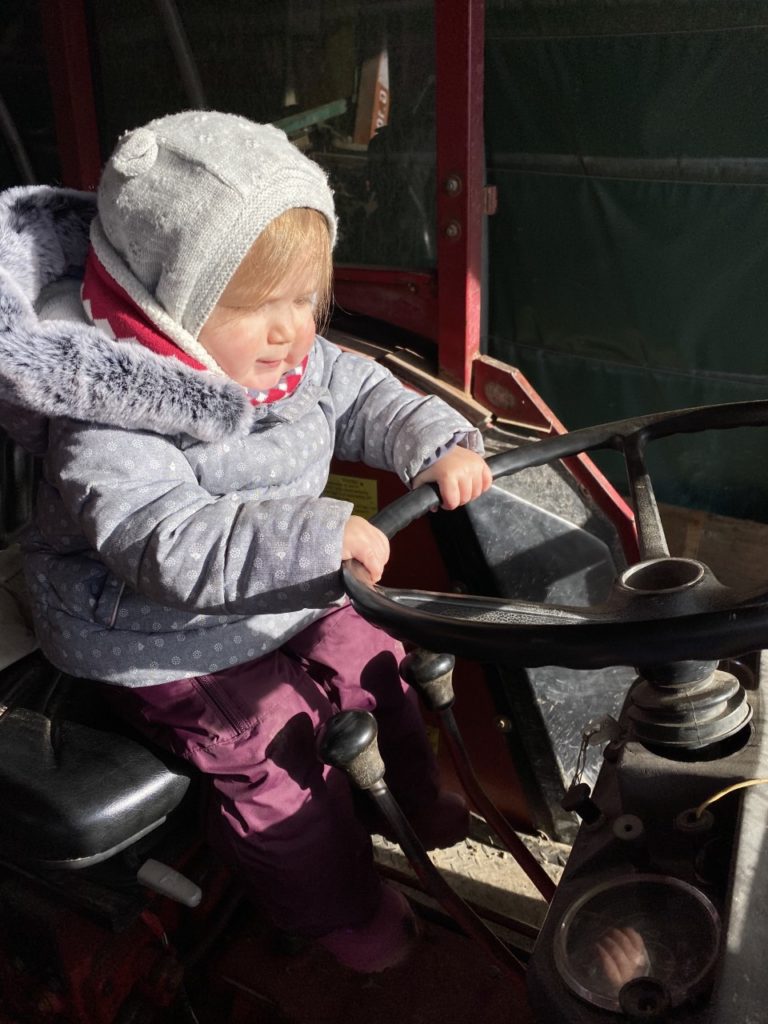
pixel 459 33
pixel 508 394
pixel 403 298
pixel 67 55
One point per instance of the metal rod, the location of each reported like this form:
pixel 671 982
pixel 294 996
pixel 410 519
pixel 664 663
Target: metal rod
pixel 431 675
pixel 488 809
pixel 511 924
pixel 13 140
pixel 426 871
pixel 182 52
pixel 651 539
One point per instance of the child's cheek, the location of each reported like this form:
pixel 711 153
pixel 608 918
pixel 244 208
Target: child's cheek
pixel 308 333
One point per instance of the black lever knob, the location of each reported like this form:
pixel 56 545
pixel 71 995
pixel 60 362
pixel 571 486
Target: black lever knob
pixel 431 675
pixel 348 741
pixel 578 800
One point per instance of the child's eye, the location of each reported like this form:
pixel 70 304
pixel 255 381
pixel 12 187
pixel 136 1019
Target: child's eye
pixel 305 300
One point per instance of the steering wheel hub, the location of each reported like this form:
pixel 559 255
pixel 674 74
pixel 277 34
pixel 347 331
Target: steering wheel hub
pixel 662 575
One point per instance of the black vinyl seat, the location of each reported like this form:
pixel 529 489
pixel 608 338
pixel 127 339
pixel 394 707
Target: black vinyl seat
pixel 73 790
pixel 76 786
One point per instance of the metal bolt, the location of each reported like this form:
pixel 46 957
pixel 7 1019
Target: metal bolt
pixel 628 827
pixel 453 184
pixel 453 229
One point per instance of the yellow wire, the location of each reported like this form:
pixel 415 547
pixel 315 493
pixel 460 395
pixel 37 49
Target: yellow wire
pixel 728 789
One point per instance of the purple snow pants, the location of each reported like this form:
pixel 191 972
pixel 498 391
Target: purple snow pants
pixel 279 817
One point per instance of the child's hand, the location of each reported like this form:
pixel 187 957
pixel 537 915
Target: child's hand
pixel 460 474
pixel 367 544
pixel 623 956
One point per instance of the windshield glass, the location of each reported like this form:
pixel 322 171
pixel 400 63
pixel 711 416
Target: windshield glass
pixel 350 81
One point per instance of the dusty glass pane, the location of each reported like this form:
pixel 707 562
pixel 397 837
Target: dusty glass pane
pixel 351 81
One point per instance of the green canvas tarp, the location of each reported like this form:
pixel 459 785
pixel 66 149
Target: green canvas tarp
pixel 628 263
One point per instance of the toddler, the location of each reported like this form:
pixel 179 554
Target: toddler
pixel 182 550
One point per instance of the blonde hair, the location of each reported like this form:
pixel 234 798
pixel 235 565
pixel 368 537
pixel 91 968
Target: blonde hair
pixel 293 242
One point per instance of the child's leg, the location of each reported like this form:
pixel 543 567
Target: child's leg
pixel 280 818
pixel 358 665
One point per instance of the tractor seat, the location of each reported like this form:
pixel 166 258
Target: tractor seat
pixel 75 787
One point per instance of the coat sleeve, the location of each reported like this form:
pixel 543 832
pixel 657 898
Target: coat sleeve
pixel 171 540
pixel 382 423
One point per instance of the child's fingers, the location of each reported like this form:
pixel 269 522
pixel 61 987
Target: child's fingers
pixel 450 492
pixel 377 556
pixel 375 569
pixel 622 941
pixel 373 564
pixel 631 944
pixel 635 938
pixel 367 544
pixel 614 947
pixel 461 476
pixel 623 955
pixel 460 488
pixel 610 967
pixel 482 481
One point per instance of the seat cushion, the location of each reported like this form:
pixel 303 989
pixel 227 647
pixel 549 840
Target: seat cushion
pixel 71 792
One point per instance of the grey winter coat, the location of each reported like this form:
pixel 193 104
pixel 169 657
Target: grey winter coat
pixel 179 529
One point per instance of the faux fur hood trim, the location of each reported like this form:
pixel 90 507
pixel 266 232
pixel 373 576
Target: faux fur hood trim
pixel 62 368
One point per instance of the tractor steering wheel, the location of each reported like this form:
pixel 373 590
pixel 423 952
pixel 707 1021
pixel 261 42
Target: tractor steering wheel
pixel 662 609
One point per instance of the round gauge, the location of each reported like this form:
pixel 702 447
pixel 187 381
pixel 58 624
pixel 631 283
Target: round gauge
pixel 650 927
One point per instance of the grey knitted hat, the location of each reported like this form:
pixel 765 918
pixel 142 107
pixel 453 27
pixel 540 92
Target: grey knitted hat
pixel 182 200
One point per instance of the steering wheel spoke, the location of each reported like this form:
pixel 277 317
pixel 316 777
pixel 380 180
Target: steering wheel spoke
pixel 473 608
pixel 651 539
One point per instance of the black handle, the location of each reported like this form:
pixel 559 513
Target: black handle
pixel 348 741
pixel 430 675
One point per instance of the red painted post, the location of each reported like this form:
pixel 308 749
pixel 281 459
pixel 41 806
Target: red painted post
pixel 67 55
pixel 459 33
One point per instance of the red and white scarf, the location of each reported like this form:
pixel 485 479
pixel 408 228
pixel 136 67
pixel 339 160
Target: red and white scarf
pixel 108 304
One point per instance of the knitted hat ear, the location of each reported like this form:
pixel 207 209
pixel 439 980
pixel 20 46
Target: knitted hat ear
pixel 182 200
pixel 135 153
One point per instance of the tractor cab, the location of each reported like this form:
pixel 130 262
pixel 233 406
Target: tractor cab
pixel 589 660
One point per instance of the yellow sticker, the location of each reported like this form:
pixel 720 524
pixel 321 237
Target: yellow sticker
pixel 363 493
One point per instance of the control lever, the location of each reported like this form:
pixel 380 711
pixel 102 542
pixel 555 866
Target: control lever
pixel 168 882
pixel 430 675
pixel 348 741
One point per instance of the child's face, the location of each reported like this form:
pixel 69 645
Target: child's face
pixel 256 344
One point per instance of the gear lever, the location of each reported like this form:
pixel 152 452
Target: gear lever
pixel 430 675
pixel 348 741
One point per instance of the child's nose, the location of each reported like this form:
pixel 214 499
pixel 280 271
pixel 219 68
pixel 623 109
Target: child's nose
pixel 281 330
